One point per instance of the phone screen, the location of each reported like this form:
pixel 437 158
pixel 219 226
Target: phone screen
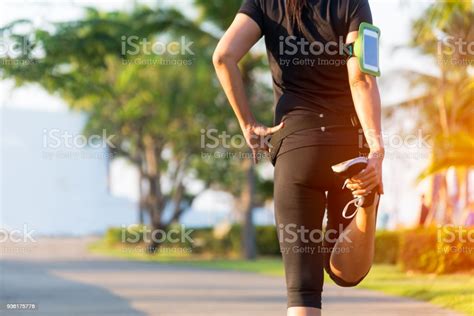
pixel 371 47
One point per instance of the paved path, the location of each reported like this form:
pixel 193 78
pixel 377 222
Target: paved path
pixel 63 279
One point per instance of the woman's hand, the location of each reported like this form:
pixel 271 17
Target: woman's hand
pixel 256 135
pixel 364 182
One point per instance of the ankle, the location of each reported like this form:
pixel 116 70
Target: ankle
pixel 367 215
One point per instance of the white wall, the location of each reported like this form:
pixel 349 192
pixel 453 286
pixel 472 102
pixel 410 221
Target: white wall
pixel 50 192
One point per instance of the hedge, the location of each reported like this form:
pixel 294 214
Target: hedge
pixel 439 250
pixel 387 247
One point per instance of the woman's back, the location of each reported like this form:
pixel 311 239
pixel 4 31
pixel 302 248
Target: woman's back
pixel 309 66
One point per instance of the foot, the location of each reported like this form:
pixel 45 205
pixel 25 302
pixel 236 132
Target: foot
pixel 347 169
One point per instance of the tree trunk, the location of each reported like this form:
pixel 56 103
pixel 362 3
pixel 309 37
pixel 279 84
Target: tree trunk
pixel 177 203
pixel 155 200
pixel 463 195
pixel 178 188
pixel 141 197
pixel 434 199
pixel 249 247
pixel 449 206
pixel 440 212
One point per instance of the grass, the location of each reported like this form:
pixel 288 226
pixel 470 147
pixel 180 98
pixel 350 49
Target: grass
pixel 455 291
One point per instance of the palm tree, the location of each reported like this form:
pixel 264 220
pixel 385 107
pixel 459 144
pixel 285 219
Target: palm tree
pixel 445 109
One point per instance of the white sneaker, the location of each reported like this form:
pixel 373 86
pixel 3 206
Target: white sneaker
pixel 348 169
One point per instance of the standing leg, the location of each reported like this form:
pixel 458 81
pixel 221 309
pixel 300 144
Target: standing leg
pixel 299 210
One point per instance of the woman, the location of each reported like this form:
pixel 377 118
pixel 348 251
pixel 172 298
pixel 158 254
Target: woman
pixel 312 80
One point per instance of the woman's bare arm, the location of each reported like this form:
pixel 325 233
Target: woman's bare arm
pixel 236 42
pixel 367 104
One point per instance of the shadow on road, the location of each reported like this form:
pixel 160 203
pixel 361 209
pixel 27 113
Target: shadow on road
pixel 37 282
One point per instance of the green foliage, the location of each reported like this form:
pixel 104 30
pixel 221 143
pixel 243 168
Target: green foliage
pixel 220 13
pixel 267 241
pixel 444 16
pixel 134 234
pixel 204 243
pixel 129 95
pixel 113 236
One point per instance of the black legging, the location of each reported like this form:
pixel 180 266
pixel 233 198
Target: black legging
pixel 303 176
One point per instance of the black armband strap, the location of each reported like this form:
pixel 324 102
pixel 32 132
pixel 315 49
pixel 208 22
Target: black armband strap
pixel 349 50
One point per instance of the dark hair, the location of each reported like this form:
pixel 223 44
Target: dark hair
pixel 294 12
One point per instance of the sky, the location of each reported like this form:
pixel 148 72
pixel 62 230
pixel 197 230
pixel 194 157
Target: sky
pixel 391 16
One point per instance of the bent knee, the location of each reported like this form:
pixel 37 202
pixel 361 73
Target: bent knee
pixel 346 282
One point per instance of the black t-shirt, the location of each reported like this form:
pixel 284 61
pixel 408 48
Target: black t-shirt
pixel 310 74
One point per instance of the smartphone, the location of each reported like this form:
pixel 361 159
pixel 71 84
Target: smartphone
pixel 366 49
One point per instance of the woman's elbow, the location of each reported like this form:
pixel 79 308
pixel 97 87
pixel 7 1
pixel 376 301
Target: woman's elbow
pixel 362 81
pixel 221 58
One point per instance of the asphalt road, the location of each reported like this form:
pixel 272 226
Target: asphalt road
pixel 62 278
